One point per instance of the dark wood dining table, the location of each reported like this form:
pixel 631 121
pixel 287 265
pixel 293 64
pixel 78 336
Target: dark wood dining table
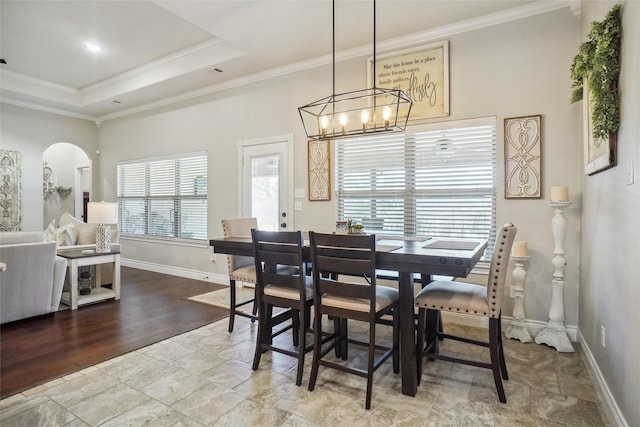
pixel 407 258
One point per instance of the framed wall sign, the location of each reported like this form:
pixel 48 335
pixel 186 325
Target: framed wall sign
pixel 422 73
pixel 319 170
pixel 523 157
pixel 599 153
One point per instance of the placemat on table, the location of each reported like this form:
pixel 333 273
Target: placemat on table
pixel 386 248
pixel 451 244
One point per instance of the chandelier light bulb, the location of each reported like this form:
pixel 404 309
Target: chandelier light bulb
pixel 365 118
pixel 343 121
pixel 386 114
pixel 324 123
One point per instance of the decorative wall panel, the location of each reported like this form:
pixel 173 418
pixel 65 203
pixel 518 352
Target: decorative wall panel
pixel 523 157
pixel 10 191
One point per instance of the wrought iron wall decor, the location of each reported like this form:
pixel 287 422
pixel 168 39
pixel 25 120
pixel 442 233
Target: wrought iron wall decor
pixel 319 171
pixel 523 157
pixel 48 186
pixel 10 190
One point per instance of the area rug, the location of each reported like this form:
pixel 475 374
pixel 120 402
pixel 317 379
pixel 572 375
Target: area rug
pixel 222 297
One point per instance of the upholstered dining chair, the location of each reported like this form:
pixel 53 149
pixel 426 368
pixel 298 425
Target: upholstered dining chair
pixel 240 268
pixel 282 282
pixel 333 256
pixel 471 299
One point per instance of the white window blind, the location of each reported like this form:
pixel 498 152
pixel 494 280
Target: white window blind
pixel 426 183
pixel 164 197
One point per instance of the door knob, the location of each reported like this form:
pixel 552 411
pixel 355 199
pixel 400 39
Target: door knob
pixel 283 225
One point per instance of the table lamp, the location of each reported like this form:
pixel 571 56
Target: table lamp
pixel 103 214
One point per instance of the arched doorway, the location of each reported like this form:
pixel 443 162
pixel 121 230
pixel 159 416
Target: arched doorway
pixel 66 182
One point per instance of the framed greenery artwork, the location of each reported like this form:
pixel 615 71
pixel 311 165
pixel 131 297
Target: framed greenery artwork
pixel 596 68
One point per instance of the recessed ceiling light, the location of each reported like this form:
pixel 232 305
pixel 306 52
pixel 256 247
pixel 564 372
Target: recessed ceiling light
pixel 93 47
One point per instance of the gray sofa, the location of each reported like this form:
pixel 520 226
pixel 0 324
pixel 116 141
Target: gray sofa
pixel 32 283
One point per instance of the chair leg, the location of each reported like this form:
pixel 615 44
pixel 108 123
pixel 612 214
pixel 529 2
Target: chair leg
pixel 260 336
pixel 396 341
pixel 344 337
pixel 254 309
pixel 337 325
pixel 302 339
pixel 494 329
pixel 372 350
pixel 295 321
pixel 503 363
pixel 232 304
pixel 422 321
pixel 317 349
pixel 434 327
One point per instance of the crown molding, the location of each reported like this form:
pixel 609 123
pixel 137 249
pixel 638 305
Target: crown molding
pixel 481 22
pixel 38 107
pixel 91 94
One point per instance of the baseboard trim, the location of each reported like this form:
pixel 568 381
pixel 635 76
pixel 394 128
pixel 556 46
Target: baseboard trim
pixel 534 326
pixel 176 271
pixel 609 403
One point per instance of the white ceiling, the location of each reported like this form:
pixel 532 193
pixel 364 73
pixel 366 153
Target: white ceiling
pixel 157 52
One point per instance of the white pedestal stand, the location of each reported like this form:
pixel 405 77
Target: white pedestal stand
pixel 554 333
pixel 518 328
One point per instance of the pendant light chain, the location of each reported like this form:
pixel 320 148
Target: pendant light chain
pixel 333 26
pixel 374 44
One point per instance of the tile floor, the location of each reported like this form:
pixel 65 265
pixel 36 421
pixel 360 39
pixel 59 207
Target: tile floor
pixel 204 377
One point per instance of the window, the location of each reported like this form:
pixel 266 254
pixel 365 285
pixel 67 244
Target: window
pixel 435 182
pixel 164 197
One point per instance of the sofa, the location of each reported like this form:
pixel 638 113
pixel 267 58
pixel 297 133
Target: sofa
pixel 31 285
pixel 72 233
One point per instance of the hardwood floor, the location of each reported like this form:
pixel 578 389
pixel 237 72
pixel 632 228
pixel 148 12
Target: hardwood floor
pixel 151 308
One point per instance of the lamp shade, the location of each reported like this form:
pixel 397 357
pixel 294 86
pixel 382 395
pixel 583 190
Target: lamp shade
pixel 102 213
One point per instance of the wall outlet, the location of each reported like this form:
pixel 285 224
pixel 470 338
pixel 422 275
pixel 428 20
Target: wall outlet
pixel 213 258
pixel 297 206
pixel 602 336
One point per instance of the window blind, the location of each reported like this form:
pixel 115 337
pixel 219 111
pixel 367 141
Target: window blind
pixel 164 197
pixel 425 183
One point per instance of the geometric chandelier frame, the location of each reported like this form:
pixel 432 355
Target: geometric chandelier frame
pixel 359 112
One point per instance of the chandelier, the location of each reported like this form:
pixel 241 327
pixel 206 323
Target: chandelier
pixel 360 112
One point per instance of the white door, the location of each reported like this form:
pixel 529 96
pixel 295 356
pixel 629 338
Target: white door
pixel 266 170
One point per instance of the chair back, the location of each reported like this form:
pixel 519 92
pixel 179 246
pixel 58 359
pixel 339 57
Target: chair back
pixel 498 270
pixel 238 227
pixel 276 250
pixel 333 255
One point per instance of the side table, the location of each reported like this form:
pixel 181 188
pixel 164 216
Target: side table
pixel 83 257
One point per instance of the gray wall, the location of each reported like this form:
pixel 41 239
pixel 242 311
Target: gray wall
pixel 32 132
pixel 610 247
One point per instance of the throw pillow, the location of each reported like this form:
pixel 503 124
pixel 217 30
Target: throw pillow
pixel 86 232
pixel 50 232
pixel 65 235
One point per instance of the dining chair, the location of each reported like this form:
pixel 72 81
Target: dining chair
pixel 336 259
pixel 470 299
pixel 282 282
pixel 241 268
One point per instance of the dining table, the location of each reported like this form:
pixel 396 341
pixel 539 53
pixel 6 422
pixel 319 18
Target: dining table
pixel 405 259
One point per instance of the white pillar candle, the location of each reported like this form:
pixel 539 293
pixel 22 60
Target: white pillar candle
pixel 560 194
pixel 520 248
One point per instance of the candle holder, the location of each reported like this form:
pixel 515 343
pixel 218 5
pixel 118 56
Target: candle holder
pixel 554 334
pixel 518 328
